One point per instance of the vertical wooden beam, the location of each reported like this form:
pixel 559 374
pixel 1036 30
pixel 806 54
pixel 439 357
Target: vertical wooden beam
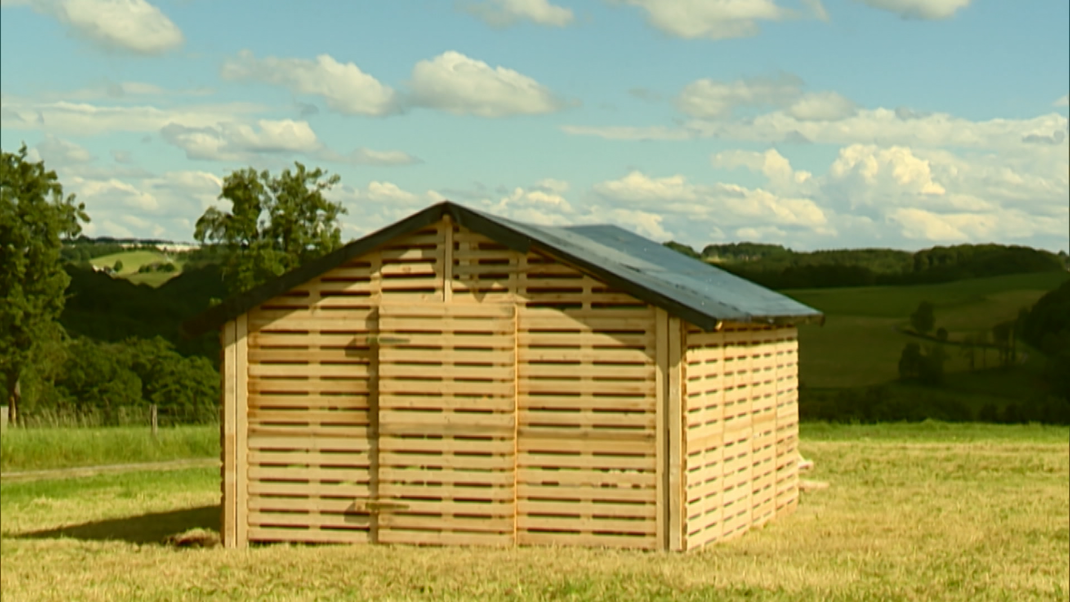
pixel 241 434
pixel 661 345
pixel 373 423
pixel 447 260
pixel 229 427
pixel 677 445
pixel 516 420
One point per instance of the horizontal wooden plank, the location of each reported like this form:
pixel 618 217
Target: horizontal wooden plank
pixel 482 508
pixel 392 490
pixel 607 493
pixel 639 372
pixel 587 418
pixel 357 432
pixel 428 462
pixel 495 446
pixel 608 446
pixel 536 538
pixel 395 474
pixel 592 478
pixel 302 440
pixel 357 474
pixel 590 340
pixel 313 355
pixel 488 350
pixel 483 524
pixel 314 401
pixel 585 402
pixel 447 372
pixel 358 416
pixel 586 434
pixel 400 536
pixel 557 321
pixel 350 370
pixel 389 312
pixel 450 401
pixel 396 326
pixel 494 388
pixel 262 385
pixel 259 518
pixel 314 489
pixel 312 504
pixel 607 387
pixel 314 458
pixel 342 536
pixel 625 355
pixel 586 524
pixel 528 460
pixel 587 509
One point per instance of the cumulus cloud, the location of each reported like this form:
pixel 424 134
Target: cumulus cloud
pixel 57 152
pixel 85 119
pixel 135 26
pixel 919 9
pixel 717 20
pixel 503 13
pixel 710 99
pixel 1062 102
pixel 343 86
pixel 457 84
pixel 236 141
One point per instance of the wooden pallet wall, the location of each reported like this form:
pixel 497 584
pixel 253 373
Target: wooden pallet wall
pixel 738 454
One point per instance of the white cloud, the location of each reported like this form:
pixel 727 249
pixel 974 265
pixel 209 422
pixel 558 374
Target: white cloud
pixel 367 156
pixel 237 141
pixel 88 119
pixel 457 84
pixel 629 132
pixel 919 9
pixel 822 106
pixel 771 163
pixel 136 26
pixel 706 98
pixel 1062 102
pixel 714 19
pixel 57 152
pixel 503 13
pixel 343 86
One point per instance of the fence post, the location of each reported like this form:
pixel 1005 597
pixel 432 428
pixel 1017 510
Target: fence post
pixel 153 412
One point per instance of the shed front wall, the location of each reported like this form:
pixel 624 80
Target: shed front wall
pixel 309 455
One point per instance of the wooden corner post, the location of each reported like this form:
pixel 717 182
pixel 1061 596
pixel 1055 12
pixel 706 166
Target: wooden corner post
pixel 234 527
pixel 227 529
pixel 670 436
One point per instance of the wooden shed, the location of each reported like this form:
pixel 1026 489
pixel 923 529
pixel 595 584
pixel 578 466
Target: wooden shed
pixel 458 378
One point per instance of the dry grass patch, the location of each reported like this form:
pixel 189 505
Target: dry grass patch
pixel 907 516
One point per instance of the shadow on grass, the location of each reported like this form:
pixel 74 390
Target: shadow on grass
pixel 144 529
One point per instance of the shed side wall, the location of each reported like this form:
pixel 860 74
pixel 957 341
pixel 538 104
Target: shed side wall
pixel 741 428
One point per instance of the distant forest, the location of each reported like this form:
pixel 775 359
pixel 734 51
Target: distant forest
pixel 780 268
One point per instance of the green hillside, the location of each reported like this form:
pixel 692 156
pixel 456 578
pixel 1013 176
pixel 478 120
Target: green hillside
pixel 133 261
pixel 859 344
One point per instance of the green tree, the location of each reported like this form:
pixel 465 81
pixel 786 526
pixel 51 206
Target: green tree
pixel 35 218
pixel 924 318
pixel 275 224
pixel 118 267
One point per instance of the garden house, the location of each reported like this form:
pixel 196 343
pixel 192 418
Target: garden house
pixel 459 378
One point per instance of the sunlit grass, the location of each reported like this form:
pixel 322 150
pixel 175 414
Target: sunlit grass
pixel 913 512
pixel 48 448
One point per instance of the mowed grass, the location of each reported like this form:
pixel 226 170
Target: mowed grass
pixel 133 260
pixel 51 448
pixel 913 512
pixel 858 345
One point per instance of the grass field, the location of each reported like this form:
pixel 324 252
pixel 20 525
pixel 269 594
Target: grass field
pixel 913 512
pixel 133 260
pixel 858 345
pixel 47 448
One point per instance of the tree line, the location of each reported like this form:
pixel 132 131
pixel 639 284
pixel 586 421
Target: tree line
pixel 780 268
pixel 75 340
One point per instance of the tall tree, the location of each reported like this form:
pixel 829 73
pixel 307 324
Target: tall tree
pixel 35 217
pixel 924 318
pixel 275 224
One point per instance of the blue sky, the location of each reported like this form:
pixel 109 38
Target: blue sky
pixel 810 123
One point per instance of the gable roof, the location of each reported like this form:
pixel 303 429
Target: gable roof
pixel 691 289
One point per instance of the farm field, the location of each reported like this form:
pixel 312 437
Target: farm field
pixel 133 260
pixel 926 511
pixel 858 345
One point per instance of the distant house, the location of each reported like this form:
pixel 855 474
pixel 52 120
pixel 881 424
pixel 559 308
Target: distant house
pixel 459 378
